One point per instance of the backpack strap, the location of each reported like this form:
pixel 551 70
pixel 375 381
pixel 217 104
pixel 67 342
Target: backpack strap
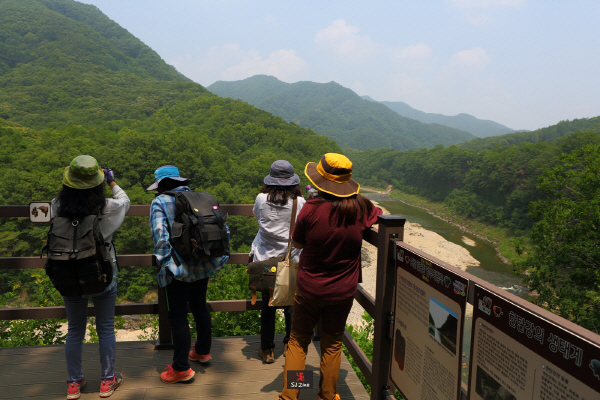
pixel 221 224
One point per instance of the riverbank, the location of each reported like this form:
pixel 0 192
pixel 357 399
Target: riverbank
pixel 423 239
pixel 501 238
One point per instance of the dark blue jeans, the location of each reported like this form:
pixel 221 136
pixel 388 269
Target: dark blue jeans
pixel 179 294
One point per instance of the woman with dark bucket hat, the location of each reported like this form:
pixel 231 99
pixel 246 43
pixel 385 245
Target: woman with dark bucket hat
pixel 82 194
pixel 273 211
pixel 329 230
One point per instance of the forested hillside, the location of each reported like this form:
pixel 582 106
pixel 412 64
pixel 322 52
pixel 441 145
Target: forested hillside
pixel 339 113
pixel 494 186
pixel 73 82
pixel 66 63
pixel 478 127
pixel 549 134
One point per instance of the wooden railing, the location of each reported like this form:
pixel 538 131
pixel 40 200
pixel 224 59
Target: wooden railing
pixel 390 230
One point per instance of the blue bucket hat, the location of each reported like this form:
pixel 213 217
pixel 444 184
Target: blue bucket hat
pixel 166 171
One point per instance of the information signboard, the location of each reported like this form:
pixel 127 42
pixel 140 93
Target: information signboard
pixel 40 212
pixel 428 326
pixel 515 354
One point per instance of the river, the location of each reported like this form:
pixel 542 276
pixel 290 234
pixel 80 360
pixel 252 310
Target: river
pixel 492 269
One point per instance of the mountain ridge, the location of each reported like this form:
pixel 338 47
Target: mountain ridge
pixel 339 113
pixel 466 122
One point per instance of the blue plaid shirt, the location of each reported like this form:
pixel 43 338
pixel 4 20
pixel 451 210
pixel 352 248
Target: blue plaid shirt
pixel 162 215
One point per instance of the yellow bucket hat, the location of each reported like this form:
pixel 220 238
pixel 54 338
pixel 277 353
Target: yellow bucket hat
pixel 83 173
pixel 333 175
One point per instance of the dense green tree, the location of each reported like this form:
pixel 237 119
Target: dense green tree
pixel 494 186
pixel 563 271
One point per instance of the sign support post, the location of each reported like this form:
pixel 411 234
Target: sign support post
pixel 391 227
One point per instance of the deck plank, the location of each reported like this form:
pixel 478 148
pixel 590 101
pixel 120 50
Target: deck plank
pixel 39 372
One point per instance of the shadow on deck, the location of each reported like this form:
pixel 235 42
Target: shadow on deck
pixel 40 372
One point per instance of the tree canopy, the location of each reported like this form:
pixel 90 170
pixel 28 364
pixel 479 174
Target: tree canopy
pixel 563 271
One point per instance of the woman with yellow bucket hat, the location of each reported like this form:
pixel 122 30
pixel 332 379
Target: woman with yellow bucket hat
pixel 329 229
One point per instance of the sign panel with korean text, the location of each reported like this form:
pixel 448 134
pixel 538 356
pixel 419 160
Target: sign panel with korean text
pixel 428 327
pixel 515 354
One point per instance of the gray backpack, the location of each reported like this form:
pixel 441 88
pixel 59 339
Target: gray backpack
pixel 79 261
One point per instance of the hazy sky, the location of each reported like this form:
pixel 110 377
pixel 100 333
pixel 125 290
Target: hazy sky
pixel 524 64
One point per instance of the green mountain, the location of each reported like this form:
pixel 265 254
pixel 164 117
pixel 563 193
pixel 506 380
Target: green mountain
pixel 549 134
pixel 73 82
pixel 66 63
pixel 339 113
pixel 478 127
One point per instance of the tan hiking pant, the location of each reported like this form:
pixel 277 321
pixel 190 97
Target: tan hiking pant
pixel 307 313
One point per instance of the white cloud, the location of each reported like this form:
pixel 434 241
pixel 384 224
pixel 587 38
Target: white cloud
pixel 345 40
pixel 487 3
pixel 416 52
pixel 230 62
pixel 283 64
pixel 472 58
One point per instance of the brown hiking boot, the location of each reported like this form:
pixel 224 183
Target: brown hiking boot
pixel 266 355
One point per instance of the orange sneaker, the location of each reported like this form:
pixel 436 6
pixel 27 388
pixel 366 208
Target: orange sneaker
pixel 74 389
pixel 172 376
pixel 337 397
pixel 199 357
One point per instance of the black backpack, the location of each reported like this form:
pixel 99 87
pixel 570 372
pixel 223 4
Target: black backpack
pixel 79 261
pixel 199 230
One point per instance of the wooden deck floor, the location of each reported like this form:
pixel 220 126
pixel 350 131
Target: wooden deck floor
pixel 235 372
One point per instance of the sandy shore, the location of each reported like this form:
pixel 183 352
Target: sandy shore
pixel 427 241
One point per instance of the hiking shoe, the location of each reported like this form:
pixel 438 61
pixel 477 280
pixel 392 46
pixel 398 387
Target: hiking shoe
pixel 266 355
pixel 172 376
pixel 285 349
pixel 74 389
pixel 199 357
pixel 108 386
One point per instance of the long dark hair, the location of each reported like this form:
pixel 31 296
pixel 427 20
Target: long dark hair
pixel 77 203
pixel 280 194
pixel 346 210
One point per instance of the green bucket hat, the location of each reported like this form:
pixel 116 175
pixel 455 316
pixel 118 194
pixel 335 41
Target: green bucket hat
pixel 83 173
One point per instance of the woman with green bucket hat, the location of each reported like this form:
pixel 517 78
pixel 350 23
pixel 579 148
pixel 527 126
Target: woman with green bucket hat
pixel 82 194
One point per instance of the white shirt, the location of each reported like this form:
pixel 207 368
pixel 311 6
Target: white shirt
pixel 274 228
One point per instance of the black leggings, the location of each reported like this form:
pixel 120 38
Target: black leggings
pixel 267 323
pixel 179 294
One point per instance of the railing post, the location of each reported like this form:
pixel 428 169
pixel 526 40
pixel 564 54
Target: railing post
pixel 165 340
pixel 391 227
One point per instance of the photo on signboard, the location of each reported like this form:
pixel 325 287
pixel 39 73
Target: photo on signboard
pixel 489 389
pixel 443 324
pixel 400 349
